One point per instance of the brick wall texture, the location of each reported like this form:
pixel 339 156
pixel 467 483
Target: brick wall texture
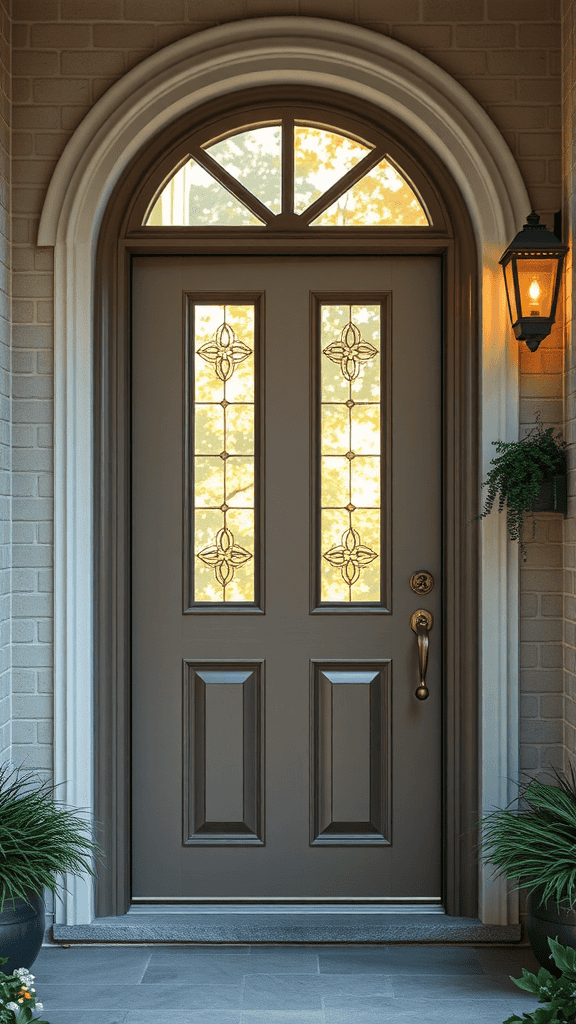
pixel 66 53
pixel 5 386
pixel 569 207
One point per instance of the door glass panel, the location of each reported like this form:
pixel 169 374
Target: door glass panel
pixel 321 157
pixel 381 197
pixel 350 460
pixel 255 159
pixel 194 197
pixel 223 477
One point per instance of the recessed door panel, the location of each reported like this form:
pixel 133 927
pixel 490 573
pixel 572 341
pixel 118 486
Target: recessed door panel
pixel 286 485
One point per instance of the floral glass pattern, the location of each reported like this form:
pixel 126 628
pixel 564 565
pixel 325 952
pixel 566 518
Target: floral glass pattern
pixel 350 453
pixel 223 456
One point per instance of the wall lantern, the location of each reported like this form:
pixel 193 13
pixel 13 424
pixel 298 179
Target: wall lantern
pixel 532 270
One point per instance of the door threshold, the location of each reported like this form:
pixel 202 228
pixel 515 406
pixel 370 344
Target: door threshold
pixel 254 924
pixel 286 908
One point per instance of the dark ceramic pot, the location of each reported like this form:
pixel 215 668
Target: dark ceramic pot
pixel 544 922
pixel 21 932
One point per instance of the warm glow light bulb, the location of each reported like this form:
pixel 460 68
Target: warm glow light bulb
pixel 534 291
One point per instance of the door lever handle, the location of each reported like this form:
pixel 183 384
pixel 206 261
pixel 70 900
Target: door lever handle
pixel 421 623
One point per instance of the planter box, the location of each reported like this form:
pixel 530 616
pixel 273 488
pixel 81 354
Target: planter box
pixel 553 496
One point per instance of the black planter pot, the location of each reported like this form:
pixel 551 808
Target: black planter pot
pixel 553 496
pixel 21 932
pixel 544 922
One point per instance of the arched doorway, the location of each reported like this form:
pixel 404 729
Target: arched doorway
pixel 72 219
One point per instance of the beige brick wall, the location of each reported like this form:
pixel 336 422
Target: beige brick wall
pixel 5 384
pixel 569 206
pixel 66 54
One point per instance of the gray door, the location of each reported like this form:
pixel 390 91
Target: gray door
pixel 286 486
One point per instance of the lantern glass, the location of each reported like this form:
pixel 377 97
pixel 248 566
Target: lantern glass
pixel 536 280
pixel 511 292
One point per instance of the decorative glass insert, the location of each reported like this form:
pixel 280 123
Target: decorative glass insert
pixel 321 157
pixel 350 453
pixel 381 197
pixel 194 197
pixel 224 453
pixel 254 158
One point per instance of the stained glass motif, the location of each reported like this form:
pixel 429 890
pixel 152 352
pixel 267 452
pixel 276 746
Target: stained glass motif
pixel 194 197
pixel 255 159
pixel 350 463
pixel 224 461
pixel 321 157
pixel 381 197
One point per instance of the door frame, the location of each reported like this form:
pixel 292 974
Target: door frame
pixel 81 217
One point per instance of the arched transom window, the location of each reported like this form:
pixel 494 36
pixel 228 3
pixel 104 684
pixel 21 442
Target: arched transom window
pixel 289 173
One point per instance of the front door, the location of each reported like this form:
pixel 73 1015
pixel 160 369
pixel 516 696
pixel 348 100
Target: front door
pixel 286 486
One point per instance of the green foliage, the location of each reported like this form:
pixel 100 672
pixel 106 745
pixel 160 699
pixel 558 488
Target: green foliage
pixel 38 838
pixel 520 469
pixel 559 994
pixel 18 997
pixel 535 842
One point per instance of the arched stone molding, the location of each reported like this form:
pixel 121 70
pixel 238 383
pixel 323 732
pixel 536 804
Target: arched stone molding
pixel 219 61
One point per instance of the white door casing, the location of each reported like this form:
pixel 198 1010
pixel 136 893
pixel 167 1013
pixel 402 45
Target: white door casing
pixel 179 78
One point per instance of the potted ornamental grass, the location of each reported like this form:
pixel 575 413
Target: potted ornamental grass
pixel 529 476
pixel 40 839
pixel 533 842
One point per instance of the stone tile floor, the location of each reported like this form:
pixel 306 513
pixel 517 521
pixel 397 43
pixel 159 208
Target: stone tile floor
pixel 281 984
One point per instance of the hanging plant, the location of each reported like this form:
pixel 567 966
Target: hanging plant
pixel 521 469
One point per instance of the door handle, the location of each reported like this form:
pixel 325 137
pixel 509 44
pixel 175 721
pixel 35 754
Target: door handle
pixel 421 623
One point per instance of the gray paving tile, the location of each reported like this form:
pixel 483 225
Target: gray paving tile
pixel 279 1017
pixel 460 1012
pixel 115 964
pixel 196 971
pixel 145 997
pixel 83 1016
pixel 351 988
pixel 282 992
pixel 477 986
pixel 398 960
pixel 207 949
pixel 507 961
pixel 276 960
pixel 200 1017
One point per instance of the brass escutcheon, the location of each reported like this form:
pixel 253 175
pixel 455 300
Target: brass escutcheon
pixel 422 581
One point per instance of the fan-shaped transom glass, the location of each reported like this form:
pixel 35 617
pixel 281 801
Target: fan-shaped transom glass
pixel 287 174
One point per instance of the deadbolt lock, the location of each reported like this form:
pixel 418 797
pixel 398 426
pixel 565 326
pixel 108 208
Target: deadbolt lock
pixel 422 582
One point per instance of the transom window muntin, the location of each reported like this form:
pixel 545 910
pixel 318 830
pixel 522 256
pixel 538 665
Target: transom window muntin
pixel 290 172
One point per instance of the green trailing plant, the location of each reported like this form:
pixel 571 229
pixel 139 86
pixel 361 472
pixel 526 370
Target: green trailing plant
pixel 558 994
pixel 534 842
pixel 39 837
pixel 520 469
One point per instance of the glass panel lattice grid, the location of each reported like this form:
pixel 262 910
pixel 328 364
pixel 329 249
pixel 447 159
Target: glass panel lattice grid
pixel 350 453
pixel 223 453
pixel 321 158
pixel 254 158
pixel 193 197
pixel 382 197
